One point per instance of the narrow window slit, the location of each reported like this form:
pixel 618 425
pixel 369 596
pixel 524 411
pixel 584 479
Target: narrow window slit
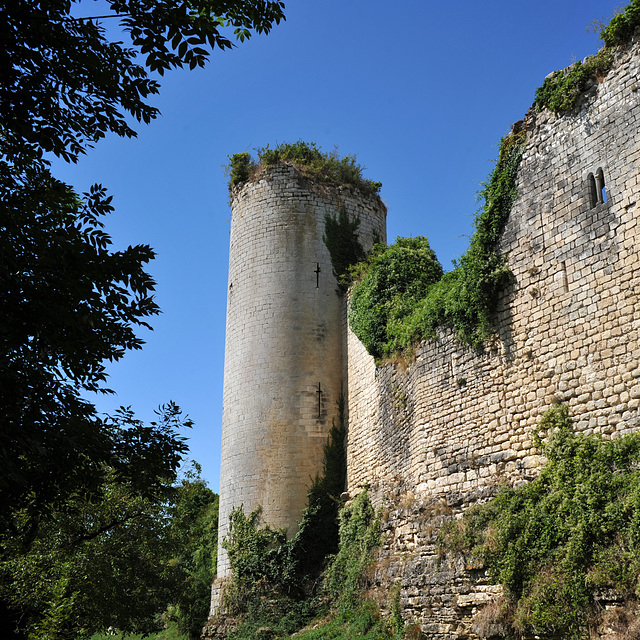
pixel 593 193
pixel 319 392
pixel 596 188
pixel 601 189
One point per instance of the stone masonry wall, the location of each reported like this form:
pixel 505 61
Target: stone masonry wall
pixel 435 436
pixel 284 343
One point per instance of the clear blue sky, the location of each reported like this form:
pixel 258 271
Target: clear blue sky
pixel 421 91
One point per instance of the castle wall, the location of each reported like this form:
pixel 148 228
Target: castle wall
pixel 439 434
pixel 283 352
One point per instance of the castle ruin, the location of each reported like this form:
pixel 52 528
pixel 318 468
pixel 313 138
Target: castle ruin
pixel 437 435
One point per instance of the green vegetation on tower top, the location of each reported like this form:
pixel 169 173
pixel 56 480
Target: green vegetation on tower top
pixel 308 160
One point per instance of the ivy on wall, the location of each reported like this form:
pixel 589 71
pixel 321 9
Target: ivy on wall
pixel 556 543
pixel 401 296
pixel 341 239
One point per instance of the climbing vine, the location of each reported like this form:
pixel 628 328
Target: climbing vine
pixel 401 296
pixel 341 239
pixel 558 541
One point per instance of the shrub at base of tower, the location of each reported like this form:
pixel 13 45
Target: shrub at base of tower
pixel 275 581
pixel 278 585
pixel 265 593
pixel 568 543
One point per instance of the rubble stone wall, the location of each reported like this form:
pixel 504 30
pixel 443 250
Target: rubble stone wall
pixel 434 436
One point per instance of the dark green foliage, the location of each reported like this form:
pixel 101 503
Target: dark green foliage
pixel 401 296
pixel 309 161
pixel 554 542
pixel 341 239
pixel 561 91
pixel 113 559
pixel 395 280
pixel 622 25
pixel 193 535
pixel 92 560
pixel 65 85
pixel 69 304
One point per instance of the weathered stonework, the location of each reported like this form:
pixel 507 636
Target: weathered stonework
pixel 284 345
pixel 434 436
pixel 444 431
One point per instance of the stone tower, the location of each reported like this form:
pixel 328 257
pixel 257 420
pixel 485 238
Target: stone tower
pixel 284 342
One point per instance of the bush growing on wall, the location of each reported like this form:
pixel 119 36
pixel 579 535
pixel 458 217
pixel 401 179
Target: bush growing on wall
pixel 555 543
pixel 622 25
pixel 394 280
pixel 400 295
pixel 562 90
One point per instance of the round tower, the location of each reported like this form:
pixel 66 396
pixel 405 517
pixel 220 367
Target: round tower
pixel 284 342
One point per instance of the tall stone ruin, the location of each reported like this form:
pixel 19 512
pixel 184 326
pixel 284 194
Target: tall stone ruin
pixel 284 362
pixel 436 436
